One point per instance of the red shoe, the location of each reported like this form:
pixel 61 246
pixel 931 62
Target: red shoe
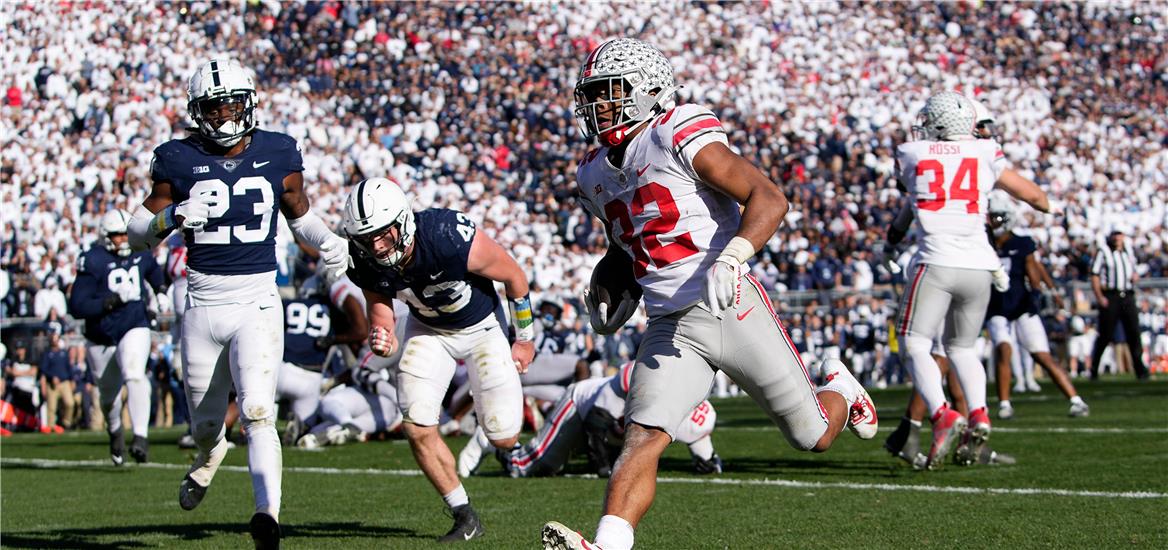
pixel 948 425
pixel 974 439
pixel 4 432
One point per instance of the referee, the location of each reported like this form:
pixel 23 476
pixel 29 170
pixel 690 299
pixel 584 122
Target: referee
pixel 1113 277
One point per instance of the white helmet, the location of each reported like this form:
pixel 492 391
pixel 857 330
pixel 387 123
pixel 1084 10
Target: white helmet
pixel 639 70
pixel 115 222
pixel 946 116
pixel 983 121
pixel 374 207
pixel 217 83
pixel 1001 213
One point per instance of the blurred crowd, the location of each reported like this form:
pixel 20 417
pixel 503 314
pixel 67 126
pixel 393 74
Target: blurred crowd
pixel 469 106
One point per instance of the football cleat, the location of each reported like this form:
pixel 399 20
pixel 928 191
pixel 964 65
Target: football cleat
pixel 1079 410
pixel 948 425
pixel 292 431
pixel 1033 386
pixel 531 413
pixel 190 493
pixel 861 411
pixel 701 466
pixel 557 536
pixel 992 457
pixel 1019 387
pixel 351 434
pixel 309 441
pixel 187 441
pixel 139 449
pixel 974 439
pixel 1005 411
pixel 117 447
pixel 466 525
pixel 905 443
pixel 265 531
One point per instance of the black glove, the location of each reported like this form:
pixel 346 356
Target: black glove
pixel 323 342
pixel 598 425
pixel 711 466
pixel 112 302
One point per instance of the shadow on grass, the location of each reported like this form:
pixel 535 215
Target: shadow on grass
pixel 100 537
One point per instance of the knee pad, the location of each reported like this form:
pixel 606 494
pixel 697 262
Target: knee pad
pixel 917 347
pixel 257 411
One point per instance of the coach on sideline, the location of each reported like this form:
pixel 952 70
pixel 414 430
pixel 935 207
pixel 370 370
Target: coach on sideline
pixel 1113 277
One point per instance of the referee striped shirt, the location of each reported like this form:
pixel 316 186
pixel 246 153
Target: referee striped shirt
pixel 1115 268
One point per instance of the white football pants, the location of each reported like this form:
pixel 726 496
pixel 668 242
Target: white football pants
pixel 130 354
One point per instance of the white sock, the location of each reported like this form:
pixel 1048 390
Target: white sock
pixel 702 448
pixel 457 497
pixel 138 399
pixel 915 423
pixel 614 533
pixel 1076 400
pixel 266 465
pixel 207 463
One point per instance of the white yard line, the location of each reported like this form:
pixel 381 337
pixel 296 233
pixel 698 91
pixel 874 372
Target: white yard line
pixel 1003 429
pixel 785 483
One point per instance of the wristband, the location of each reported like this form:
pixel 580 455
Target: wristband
pixel 740 249
pixel 163 221
pixel 521 319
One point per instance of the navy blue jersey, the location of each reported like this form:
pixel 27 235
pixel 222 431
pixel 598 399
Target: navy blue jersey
pixel 101 275
pixel 305 320
pixel 1015 301
pixel 240 235
pixel 436 285
pixel 863 336
pixel 551 341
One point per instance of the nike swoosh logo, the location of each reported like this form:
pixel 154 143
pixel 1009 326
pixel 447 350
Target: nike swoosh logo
pixel 436 275
pixel 260 164
pixel 471 534
pixel 743 315
pixel 265 307
pixel 642 171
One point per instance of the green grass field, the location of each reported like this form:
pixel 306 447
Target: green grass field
pixel 1097 482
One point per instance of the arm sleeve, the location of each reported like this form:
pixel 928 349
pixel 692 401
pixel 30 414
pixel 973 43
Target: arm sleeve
pixel 695 127
pixel 84 301
pixel 900 224
pixel 311 229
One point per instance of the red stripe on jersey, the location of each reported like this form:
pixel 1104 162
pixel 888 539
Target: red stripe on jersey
pixel 689 130
pixel 999 153
pixel 626 377
pixel 335 298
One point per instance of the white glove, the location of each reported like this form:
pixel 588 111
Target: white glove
pixel 335 255
pixel 598 315
pixel 382 342
pixel 723 285
pixel 195 211
pixel 1001 280
pixel 888 253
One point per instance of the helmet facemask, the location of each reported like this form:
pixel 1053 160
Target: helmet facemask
pixel 623 84
pixel 224 119
pixel 393 240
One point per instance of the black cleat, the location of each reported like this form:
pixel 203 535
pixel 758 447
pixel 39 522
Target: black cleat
pixel 139 449
pixel 466 525
pixel 117 447
pixel 265 532
pixel 190 493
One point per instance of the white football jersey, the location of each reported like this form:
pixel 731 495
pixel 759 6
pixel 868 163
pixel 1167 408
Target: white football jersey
pixel 660 211
pixel 949 184
pixel 343 288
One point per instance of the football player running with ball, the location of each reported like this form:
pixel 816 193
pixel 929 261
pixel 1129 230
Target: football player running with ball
pixel 948 175
pixel 444 269
pixel 669 190
pixel 221 187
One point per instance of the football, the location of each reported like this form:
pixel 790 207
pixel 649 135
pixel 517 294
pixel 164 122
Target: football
pixel 614 280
